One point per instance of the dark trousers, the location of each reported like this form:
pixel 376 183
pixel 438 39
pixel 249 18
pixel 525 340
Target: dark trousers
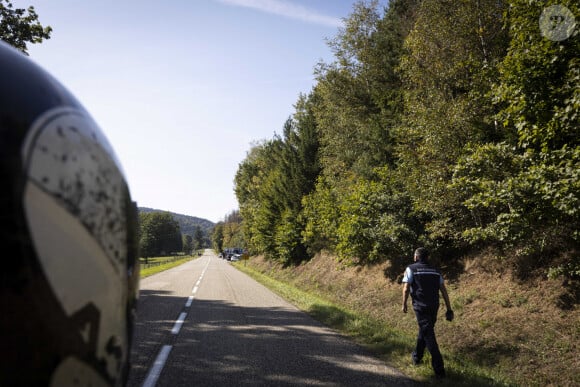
pixel 426 338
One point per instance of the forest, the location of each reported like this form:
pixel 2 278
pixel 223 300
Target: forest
pixel 446 124
pixel 164 233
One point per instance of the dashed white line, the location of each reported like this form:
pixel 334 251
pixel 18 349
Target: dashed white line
pixel 158 365
pixel 161 359
pixel 179 323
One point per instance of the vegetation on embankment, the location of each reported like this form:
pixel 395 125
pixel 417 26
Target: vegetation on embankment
pixel 451 125
pixel 504 333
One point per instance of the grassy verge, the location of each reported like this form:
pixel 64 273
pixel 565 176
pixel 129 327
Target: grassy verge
pixel 386 342
pixel 162 264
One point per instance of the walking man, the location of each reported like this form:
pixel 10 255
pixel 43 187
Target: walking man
pixel 424 282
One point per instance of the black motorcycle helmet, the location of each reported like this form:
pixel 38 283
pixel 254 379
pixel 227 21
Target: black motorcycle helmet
pixel 68 232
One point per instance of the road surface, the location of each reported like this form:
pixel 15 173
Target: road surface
pixel 205 323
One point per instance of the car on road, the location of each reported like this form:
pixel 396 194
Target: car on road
pixel 229 253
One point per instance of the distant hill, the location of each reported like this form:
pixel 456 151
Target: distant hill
pixel 186 223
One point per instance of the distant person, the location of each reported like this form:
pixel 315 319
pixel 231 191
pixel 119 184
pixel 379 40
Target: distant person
pixel 424 283
pixel 68 230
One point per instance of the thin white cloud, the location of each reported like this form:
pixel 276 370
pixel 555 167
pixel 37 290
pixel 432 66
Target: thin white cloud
pixel 287 9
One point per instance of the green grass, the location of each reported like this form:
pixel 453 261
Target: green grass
pixel 389 344
pixel 158 264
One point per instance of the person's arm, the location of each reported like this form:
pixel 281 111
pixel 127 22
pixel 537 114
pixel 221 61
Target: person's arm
pixel 445 296
pixel 406 292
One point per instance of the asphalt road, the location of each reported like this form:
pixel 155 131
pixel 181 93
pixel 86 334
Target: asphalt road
pixel 205 323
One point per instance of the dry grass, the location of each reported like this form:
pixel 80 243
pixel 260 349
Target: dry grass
pixel 518 332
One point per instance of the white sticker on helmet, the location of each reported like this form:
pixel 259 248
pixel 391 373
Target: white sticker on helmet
pixel 67 156
pixel 74 202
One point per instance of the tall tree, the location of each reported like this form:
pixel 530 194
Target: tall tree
pixel 351 134
pixel 198 240
pixel 300 168
pixel 451 63
pixel 233 235
pixel 259 195
pixel 187 242
pixel 360 92
pixel 272 181
pixel 524 193
pixel 361 105
pixel 217 237
pixel 20 26
pixel 159 234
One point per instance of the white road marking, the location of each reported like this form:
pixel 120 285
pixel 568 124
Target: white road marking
pixel 179 323
pixel 155 371
pixel 158 365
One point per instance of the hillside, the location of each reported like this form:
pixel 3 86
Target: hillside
pixel 187 223
pixel 505 331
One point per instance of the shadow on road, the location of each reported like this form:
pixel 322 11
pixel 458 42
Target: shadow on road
pixel 222 344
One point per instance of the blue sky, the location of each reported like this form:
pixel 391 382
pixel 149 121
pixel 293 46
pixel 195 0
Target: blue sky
pixel 182 88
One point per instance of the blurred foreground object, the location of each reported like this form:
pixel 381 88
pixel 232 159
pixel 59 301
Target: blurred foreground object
pixel 69 274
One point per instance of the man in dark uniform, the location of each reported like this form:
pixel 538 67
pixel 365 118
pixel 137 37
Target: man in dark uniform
pixel 424 282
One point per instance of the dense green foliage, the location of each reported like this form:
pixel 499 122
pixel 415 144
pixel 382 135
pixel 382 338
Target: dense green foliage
pixel 187 243
pixel 228 233
pixel 20 26
pixel 217 237
pixel 449 124
pixel 191 226
pixel 159 234
pixel 271 183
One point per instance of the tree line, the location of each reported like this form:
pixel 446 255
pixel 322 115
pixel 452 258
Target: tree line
pixel 442 123
pixel 160 234
pixel 228 233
